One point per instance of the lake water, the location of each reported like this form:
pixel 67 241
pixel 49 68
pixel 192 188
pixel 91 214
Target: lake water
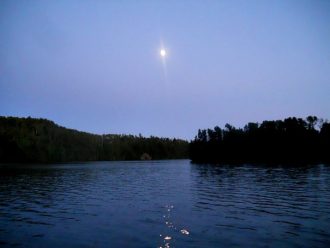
pixel 164 204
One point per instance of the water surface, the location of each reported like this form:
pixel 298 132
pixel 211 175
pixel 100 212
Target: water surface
pixel 164 204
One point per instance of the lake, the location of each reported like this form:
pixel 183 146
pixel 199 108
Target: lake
pixel 169 203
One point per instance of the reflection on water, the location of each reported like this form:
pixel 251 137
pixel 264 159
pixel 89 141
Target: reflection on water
pixel 164 204
pixel 172 230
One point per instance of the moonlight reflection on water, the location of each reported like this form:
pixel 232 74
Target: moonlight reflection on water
pixel 129 204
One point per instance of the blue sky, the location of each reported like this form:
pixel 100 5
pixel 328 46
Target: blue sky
pixel 95 65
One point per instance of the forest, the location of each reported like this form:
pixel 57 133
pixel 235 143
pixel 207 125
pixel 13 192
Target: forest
pixel 292 140
pixel 27 140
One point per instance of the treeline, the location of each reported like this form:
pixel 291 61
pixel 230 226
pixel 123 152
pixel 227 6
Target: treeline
pixel 293 140
pixel 40 140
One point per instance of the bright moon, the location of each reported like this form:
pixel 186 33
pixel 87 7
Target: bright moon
pixel 162 52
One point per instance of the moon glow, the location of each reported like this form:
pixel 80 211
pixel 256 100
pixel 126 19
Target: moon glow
pixel 162 52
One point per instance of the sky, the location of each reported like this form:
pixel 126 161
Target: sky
pixel 95 66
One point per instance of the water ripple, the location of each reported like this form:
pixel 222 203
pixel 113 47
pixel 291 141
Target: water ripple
pixel 164 203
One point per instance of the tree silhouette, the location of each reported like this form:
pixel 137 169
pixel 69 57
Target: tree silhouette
pixel 289 141
pixel 40 140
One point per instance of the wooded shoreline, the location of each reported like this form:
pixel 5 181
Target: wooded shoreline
pixel 288 141
pixel 28 140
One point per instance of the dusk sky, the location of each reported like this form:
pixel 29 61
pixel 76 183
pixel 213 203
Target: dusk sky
pixel 95 66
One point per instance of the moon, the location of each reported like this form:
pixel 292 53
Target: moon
pixel 162 52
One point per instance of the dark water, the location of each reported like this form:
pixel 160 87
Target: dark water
pixel 139 204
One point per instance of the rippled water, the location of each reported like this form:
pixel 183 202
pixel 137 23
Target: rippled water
pixel 164 203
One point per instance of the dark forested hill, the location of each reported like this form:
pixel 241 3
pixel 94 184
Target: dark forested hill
pixel 41 140
pixel 280 141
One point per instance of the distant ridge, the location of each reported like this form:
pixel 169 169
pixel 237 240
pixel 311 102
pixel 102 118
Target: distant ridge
pixel 40 140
